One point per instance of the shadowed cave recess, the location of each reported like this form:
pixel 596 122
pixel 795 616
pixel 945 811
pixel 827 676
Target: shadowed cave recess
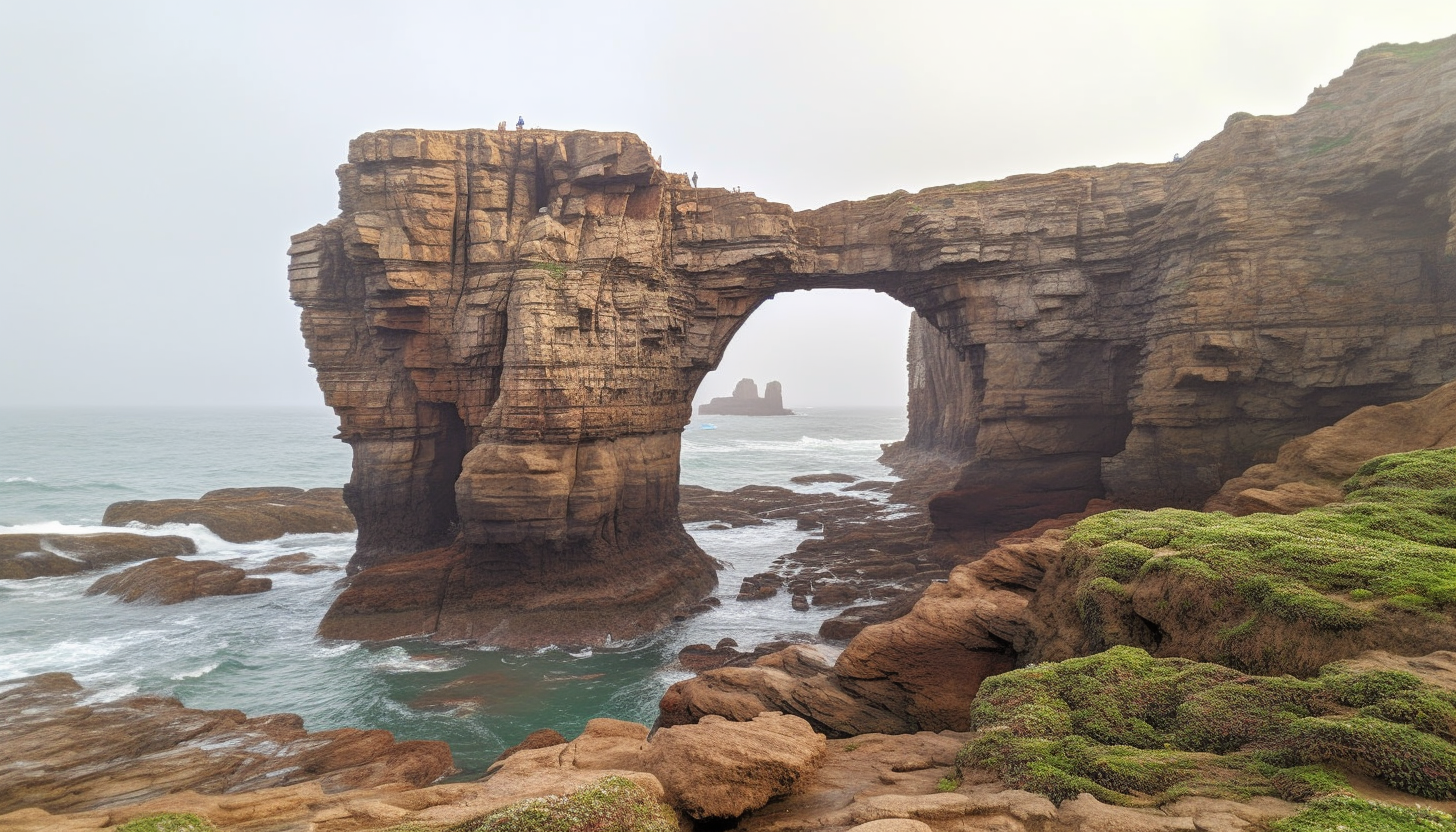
pixel 511 328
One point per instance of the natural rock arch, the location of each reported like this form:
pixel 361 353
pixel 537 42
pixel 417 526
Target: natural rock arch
pixel 511 327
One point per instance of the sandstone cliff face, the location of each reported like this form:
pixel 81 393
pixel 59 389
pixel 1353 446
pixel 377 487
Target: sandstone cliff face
pixel 511 326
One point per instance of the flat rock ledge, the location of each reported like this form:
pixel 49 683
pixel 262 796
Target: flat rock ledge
pixel 245 515
pixel 24 556
pixel 173 580
pixel 66 754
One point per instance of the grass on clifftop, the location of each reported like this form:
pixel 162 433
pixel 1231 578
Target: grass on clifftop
pixel 1138 731
pixel 1350 814
pixel 1390 547
pixel 611 804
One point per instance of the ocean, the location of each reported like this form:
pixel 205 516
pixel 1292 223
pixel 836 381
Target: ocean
pixel 59 469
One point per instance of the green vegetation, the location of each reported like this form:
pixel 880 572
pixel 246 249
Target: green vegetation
pixel 947 784
pixel 1411 52
pixel 168 822
pixel 1324 145
pixel 557 271
pixel 1353 815
pixel 612 804
pixel 1390 547
pixel 1137 731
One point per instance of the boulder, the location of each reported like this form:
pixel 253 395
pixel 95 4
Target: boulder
pixel 173 580
pixel 47 555
pixel 244 515
pixel 721 769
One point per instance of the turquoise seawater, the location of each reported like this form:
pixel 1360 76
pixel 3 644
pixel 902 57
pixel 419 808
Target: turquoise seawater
pixel 258 653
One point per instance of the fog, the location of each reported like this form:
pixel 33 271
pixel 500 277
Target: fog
pixel 159 154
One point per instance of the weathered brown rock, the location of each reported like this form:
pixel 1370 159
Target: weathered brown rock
pixel 721 769
pixel 541 738
pixel 456 594
pixel 918 671
pixel 1310 469
pixel 243 515
pixel 512 326
pixel 173 580
pixel 745 401
pixel 298 563
pixel 62 755
pixel 45 555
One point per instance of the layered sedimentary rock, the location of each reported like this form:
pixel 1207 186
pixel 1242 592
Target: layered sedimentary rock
pixel 512 326
pixel 745 401
pixel 66 752
pixel 25 556
pixel 244 515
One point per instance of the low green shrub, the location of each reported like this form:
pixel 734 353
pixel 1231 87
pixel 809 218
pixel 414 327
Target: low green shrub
pixel 168 822
pixel 612 804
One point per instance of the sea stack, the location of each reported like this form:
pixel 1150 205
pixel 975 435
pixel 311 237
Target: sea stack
pixel 745 401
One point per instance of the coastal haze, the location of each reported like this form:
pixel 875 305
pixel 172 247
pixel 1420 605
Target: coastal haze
pixel 162 153
pixel 1005 404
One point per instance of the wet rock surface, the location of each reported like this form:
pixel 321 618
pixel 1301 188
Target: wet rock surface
pixel 64 755
pixel 877 555
pixel 25 556
pixel 173 580
pixel 244 515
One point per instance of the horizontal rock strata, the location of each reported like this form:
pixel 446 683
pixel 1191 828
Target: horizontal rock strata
pixel 47 555
pixel 64 755
pixel 512 326
pixel 173 580
pixel 244 515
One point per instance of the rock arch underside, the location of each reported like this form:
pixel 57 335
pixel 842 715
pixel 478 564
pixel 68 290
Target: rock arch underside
pixel 511 327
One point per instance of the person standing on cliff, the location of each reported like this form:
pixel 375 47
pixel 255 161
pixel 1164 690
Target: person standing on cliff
pixel 695 180
pixel 520 122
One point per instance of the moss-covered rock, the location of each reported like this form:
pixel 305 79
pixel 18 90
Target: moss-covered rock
pixel 1135 730
pixel 612 804
pixel 1273 592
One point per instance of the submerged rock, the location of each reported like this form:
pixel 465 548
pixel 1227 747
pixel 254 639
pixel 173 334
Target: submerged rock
pixel 25 556
pixel 173 580
pixel 244 515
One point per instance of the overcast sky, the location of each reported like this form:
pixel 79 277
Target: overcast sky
pixel 157 155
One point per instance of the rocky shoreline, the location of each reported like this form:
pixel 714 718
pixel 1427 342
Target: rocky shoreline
pixel 1040 631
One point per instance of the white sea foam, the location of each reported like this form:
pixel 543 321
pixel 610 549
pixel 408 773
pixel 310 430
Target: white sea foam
pixel 110 694
pixel 198 673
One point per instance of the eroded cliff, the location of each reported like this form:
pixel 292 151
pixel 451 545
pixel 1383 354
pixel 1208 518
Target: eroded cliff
pixel 511 327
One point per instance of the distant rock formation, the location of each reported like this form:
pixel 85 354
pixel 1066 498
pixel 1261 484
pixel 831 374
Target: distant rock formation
pixel 512 328
pixel 746 402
